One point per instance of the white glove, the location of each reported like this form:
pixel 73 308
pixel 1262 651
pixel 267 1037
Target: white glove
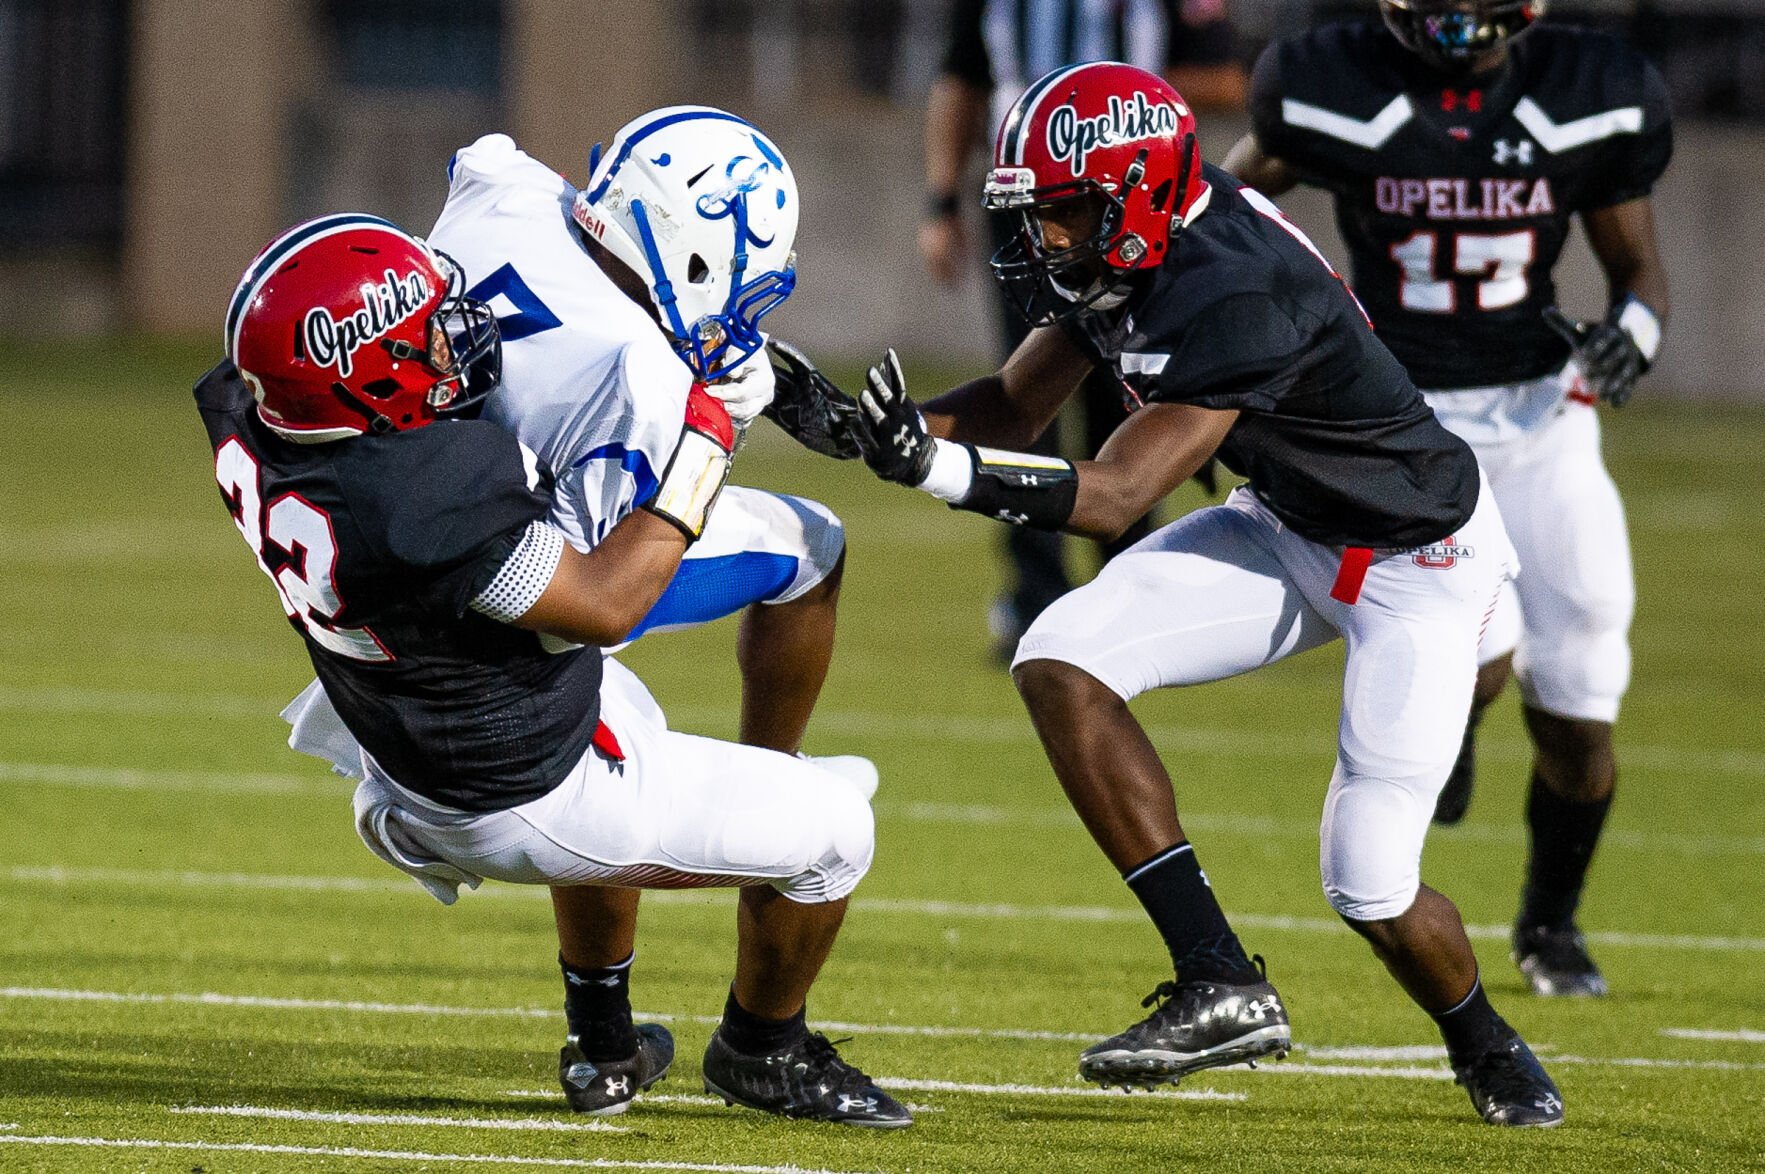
pixel 747 390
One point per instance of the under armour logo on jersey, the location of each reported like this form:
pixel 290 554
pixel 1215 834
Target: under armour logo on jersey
pixel 1471 100
pixel 1520 152
pixel 330 342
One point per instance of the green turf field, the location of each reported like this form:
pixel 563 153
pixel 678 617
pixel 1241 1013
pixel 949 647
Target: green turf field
pixel 204 970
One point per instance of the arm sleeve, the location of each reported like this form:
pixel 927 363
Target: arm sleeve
pixel 464 504
pixel 965 52
pixel 1634 162
pixel 1201 33
pixel 1244 352
pixel 524 576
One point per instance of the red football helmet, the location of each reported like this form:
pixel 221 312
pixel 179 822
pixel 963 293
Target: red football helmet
pixel 1100 130
pixel 348 324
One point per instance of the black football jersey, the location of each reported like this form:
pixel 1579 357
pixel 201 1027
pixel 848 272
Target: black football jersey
pixel 1454 196
pixel 376 546
pixel 1333 437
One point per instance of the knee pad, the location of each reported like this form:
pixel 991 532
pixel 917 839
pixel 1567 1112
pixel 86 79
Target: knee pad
pixel 1578 671
pixel 1370 844
pixel 846 831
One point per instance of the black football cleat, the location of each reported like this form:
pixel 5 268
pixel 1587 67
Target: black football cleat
pixel 1556 963
pixel 808 1081
pixel 602 1088
pixel 1197 1025
pixel 1508 1086
pixel 1455 798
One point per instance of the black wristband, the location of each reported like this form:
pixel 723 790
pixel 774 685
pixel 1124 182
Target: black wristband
pixel 943 205
pixel 1020 488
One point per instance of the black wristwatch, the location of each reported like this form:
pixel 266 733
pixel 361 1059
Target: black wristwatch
pixel 943 205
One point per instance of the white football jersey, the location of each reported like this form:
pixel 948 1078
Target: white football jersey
pixel 590 383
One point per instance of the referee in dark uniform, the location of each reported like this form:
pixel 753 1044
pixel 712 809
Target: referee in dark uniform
pixel 995 49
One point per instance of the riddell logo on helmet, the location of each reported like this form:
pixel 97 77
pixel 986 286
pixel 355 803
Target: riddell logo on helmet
pixel 1071 138
pixel 333 343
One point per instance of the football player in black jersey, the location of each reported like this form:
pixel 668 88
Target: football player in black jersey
pixel 459 637
pixel 1363 519
pixel 1457 151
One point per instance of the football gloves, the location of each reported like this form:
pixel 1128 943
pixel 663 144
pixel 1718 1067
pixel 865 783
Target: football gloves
pixel 745 391
pixel 1609 354
pixel 891 434
pixel 808 407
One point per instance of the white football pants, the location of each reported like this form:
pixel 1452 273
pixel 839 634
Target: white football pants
pixel 679 811
pixel 1568 619
pixel 1228 589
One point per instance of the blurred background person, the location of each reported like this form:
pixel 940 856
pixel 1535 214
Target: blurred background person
pixel 994 48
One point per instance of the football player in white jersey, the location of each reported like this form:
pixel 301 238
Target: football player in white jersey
pixel 613 303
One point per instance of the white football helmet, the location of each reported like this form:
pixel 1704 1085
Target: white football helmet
pixel 703 207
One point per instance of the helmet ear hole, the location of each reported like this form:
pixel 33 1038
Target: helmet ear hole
pixel 380 388
pixel 697 272
pixel 1161 196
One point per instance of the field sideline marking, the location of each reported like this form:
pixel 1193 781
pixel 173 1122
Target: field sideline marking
pixel 57 875
pixel 912 726
pixel 259 1111
pixel 1744 1035
pixel 917 811
pixel 322 1151
pixel 212 999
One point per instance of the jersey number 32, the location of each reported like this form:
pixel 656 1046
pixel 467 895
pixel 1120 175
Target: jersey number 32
pixel 306 582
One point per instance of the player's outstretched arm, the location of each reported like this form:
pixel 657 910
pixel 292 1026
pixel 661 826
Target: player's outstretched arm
pixel 1015 405
pixel 1267 173
pixel 599 597
pixel 1158 448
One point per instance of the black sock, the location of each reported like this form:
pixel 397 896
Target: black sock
pixel 1472 1027
pixel 1564 834
pixel 597 1006
pixel 1181 904
pixel 752 1035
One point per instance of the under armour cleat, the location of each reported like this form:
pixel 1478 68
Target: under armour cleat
pixel 1197 1025
pixel 605 1087
pixel 1556 963
pixel 808 1081
pixel 1455 798
pixel 1508 1086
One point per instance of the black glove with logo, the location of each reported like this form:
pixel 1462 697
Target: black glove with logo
pixel 810 409
pixel 1609 358
pixel 890 431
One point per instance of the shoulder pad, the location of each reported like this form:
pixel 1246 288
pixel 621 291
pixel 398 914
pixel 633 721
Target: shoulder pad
pixel 495 159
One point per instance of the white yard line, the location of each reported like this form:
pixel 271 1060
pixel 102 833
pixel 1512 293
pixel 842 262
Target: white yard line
pixel 321 1151
pixel 535 1124
pixel 909 1084
pixel 964 728
pixel 960 814
pixel 998 911
pixel 1744 1035
pixel 265 1002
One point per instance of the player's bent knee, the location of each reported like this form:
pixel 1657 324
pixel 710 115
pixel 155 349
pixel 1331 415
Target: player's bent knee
pixel 1364 908
pixel 845 828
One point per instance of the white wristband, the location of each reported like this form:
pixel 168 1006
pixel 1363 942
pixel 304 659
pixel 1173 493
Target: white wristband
pixel 1642 325
pixel 952 472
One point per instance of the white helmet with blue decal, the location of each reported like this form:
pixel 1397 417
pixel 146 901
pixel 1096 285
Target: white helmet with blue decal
pixel 703 207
